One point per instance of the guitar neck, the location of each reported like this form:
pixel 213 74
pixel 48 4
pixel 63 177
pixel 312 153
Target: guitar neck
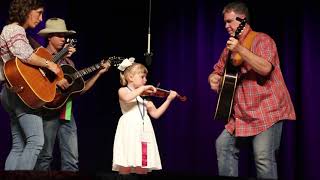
pixel 64 51
pixel 60 54
pixel 86 71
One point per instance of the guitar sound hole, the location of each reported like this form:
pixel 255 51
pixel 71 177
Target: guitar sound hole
pixel 69 79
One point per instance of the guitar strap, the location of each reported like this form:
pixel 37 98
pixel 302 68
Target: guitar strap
pixel 34 43
pixel 247 42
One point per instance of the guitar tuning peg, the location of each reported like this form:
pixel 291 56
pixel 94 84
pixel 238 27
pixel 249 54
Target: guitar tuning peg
pixel 71 41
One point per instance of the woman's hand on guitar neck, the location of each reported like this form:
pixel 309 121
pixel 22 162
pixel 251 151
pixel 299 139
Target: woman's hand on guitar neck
pixel 214 80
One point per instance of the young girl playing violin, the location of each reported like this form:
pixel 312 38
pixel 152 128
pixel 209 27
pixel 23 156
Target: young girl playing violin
pixel 135 147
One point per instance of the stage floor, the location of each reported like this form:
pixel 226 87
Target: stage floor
pixel 60 175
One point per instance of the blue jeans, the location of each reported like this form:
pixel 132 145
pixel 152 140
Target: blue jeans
pixel 26 131
pixel 265 147
pixel 66 133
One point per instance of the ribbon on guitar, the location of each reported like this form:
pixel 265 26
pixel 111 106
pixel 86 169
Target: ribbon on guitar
pixel 144 154
pixel 66 111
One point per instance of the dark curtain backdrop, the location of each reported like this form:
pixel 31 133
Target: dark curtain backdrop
pixel 186 40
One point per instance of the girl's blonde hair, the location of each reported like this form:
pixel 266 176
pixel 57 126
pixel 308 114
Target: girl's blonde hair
pixel 135 68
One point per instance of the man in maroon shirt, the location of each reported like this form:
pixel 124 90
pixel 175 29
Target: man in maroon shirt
pixel 261 100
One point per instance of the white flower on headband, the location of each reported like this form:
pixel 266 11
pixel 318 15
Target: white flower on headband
pixel 126 63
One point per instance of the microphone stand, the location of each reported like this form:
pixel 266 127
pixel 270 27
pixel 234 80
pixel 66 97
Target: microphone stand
pixel 148 54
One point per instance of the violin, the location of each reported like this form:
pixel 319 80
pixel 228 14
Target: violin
pixel 162 93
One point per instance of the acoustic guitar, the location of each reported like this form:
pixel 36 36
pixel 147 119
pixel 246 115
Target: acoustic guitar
pixel 76 81
pixel 34 85
pixel 229 82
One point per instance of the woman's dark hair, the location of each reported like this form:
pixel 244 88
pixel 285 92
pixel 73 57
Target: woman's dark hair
pixel 19 9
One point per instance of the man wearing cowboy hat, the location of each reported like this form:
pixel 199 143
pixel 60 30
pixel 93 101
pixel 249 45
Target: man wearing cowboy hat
pixel 54 124
pixel 55 25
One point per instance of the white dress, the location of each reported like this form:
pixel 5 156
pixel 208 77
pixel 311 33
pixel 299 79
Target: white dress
pixel 132 130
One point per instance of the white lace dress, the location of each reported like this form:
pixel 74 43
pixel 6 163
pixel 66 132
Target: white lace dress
pixel 132 130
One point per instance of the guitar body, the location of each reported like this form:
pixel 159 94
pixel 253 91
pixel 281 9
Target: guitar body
pixel 76 86
pixel 76 81
pixel 34 85
pixel 229 80
pixel 225 100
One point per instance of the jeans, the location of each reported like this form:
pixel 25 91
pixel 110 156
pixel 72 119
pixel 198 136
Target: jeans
pixel 26 131
pixel 66 132
pixel 265 147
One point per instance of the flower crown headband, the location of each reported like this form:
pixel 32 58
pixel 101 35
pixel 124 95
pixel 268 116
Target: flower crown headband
pixel 126 63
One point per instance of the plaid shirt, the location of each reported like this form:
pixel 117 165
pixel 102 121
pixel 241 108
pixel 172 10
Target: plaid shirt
pixel 259 102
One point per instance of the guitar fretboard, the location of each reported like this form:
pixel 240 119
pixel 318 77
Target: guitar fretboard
pixel 63 51
pixel 86 71
pixel 60 54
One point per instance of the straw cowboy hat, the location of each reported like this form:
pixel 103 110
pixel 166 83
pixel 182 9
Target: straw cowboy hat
pixel 55 25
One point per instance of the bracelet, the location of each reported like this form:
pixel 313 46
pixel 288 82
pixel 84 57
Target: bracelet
pixel 47 63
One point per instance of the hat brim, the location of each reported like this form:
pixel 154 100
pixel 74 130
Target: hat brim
pixel 45 32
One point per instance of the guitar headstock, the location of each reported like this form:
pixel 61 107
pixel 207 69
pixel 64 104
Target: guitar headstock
pixel 115 60
pixel 71 42
pixel 239 29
